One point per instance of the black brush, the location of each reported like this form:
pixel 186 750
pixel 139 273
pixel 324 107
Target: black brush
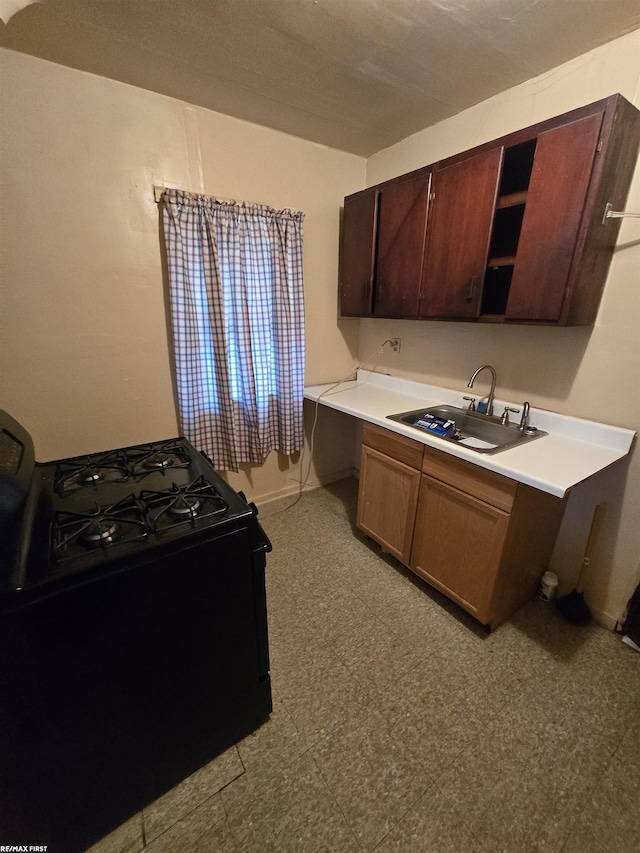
pixel 573 606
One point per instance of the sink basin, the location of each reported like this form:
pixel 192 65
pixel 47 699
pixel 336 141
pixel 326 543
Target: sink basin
pixel 475 431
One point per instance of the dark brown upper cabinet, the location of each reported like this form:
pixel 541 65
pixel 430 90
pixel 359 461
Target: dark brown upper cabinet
pixel 463 201
pixel 359 226
pixel 402 225
pixel 383 234
pixel 515 229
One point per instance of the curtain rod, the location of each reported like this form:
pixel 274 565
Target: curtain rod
pixel 158 190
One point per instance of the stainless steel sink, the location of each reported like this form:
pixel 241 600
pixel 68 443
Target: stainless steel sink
pixel 478 432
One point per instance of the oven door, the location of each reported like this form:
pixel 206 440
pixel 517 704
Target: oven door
pixel 116 690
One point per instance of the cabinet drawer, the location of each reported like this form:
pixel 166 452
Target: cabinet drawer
pixel 397 446
pixel 493 489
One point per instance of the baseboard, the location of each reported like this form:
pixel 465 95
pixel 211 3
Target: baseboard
pixel 334 477
pixel 294 487
pixel 606 620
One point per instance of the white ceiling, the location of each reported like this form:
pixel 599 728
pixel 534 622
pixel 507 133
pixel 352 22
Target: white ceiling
pixel 358 75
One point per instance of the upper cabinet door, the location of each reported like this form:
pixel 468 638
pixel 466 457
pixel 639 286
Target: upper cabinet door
pixel 463 204
pixel 553 214
pixel 402 222
pixel 358 253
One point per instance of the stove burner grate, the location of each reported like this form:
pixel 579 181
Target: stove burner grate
pixel 90 471
pixel 176 506
pixel 117 466
pixel 75 533
pixel 159 456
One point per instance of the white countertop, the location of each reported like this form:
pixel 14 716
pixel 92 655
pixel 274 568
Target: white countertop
pixel 574 450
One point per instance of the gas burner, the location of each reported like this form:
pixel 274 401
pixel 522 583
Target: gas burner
pixel 156 461
pixel 75 533
pixel 185 506
pixel 159 456
pixel 90 471
pixel 176 506
pixel 101 531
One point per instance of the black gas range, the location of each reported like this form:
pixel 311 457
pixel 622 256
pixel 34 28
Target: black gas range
pixel 133 632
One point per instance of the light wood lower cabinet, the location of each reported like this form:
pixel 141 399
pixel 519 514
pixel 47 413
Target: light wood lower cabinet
pixel 457 544
pixel 389 521
pixel 482 539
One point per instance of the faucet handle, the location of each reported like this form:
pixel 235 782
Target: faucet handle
pixel 472 403
pixel 504 419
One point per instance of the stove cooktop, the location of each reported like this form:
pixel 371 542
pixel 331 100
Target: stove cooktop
pixel 92 513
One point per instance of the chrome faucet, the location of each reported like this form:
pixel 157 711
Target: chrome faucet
pixel 524 420
pixel 489 409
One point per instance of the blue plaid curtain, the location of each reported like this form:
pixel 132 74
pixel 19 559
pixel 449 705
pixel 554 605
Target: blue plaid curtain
pixel 237 310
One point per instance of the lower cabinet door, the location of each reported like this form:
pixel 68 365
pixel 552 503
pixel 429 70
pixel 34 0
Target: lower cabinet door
pixel 387 502
pixel 458 544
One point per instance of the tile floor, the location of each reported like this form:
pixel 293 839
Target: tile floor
pixel 399 725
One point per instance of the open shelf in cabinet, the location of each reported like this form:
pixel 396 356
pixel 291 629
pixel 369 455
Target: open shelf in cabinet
pixel 507 226
pixel 511 200
pixel 497 282
pixel 504 261
pixel 516 168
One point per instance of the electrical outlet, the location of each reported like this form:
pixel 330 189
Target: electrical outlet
pixel 395 344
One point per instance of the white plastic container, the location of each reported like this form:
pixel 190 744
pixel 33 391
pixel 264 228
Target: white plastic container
pixel 548 586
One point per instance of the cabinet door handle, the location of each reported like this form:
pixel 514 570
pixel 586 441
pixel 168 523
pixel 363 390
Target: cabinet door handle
pixel 473 281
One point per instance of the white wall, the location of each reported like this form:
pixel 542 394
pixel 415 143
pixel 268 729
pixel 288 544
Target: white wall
pixel 84 357
pixel 589 372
